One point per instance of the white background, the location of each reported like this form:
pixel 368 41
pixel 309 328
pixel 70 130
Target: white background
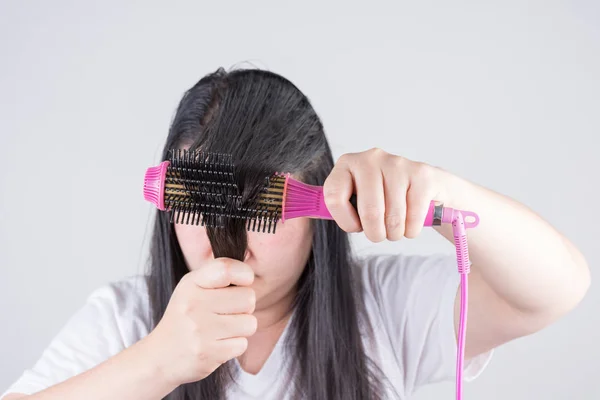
pixel 504 93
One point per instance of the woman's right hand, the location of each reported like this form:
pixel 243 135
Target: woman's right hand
pixel 206 322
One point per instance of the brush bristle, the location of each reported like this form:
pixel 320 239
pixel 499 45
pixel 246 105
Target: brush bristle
pixel 201 189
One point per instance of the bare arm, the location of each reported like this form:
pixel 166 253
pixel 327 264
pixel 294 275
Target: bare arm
pixel 524 275
pixel 131 374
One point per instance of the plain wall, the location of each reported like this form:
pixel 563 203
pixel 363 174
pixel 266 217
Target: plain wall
pixel 87 91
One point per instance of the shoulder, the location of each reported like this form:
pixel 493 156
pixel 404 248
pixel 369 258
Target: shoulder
pixel 400 288
pixel 401 271
pixel 114 316
pixel 125 293
pixel 407 295
pixel 409 301
pixel 403 260
pixel 124 304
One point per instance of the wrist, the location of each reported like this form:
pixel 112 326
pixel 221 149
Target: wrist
pixel 445 183
pixel 453 190
pixel 152 369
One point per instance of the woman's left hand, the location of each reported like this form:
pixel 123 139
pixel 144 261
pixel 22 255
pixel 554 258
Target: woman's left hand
pixel 393 194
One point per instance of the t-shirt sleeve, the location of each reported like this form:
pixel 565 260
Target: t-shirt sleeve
pixel 90 336
pixel 415 296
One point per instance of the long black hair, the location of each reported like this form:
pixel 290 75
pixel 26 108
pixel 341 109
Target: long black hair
pixel 268 124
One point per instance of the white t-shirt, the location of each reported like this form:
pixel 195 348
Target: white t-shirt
pixel 409 301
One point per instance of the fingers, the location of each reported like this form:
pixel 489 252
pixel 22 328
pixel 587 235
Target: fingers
pixel 233 300
pixel 418 199
pixel 228 349
pixel 395 185
pixel 361 174
pixel 337 189
pixel 370 199
pixel 393 194
pixel 222 272
pixel 229 326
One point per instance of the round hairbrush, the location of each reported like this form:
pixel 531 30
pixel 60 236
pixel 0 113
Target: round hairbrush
pixel 200 188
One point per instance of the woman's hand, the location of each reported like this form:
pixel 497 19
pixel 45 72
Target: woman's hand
pixel 206 322
pixel 393 194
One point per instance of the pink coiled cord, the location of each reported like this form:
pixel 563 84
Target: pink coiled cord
pixel 464 267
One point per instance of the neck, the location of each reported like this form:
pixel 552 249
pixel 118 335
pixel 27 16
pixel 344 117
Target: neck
pixel 272 320
pixel 272 316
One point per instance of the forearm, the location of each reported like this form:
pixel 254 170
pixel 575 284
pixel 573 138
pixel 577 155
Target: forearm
pixel 521 257
pixel 130 374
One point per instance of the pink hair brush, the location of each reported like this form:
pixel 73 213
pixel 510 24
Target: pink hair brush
pixel 200 188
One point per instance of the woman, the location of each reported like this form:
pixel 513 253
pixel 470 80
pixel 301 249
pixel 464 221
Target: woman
pixel 226 313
